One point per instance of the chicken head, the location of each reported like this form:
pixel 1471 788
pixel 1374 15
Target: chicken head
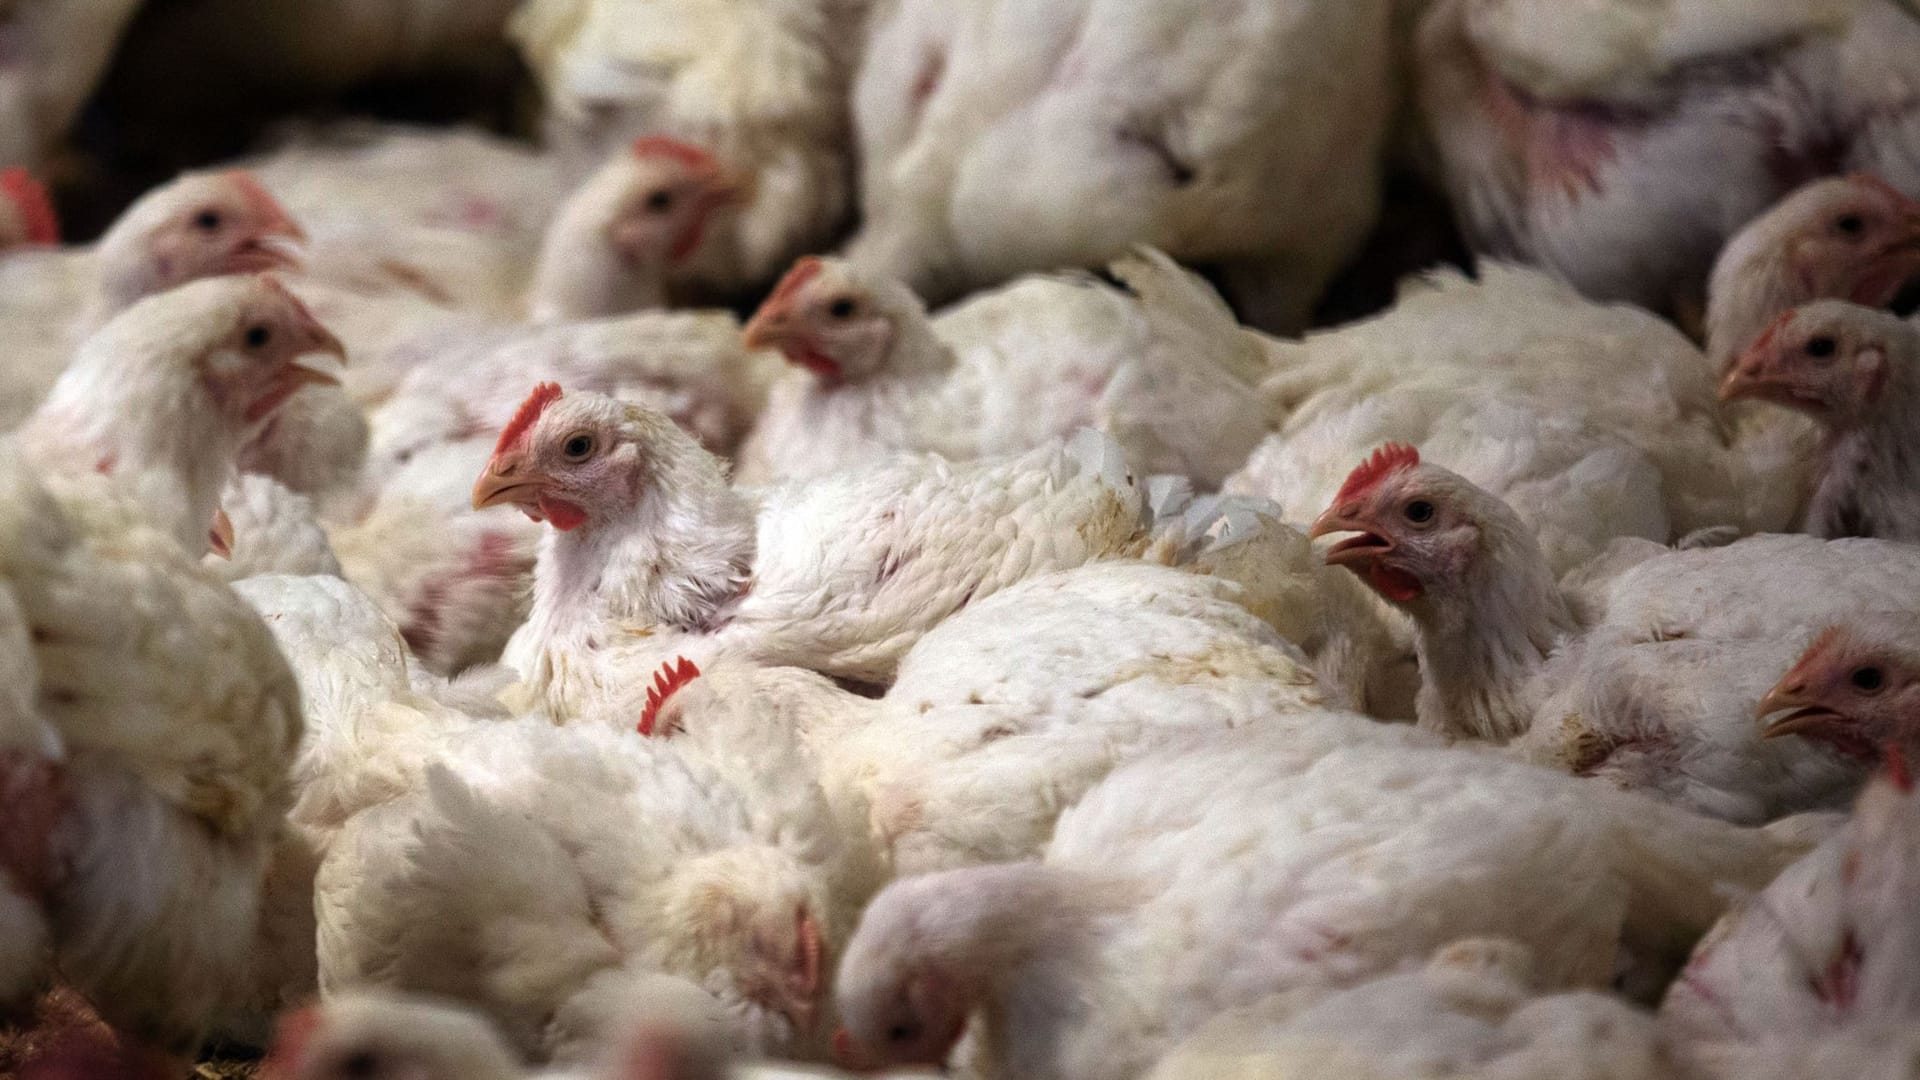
pixel 1856 689
pixel 200 225
pixel 823 317
pixel 275 346
pixel 1829 359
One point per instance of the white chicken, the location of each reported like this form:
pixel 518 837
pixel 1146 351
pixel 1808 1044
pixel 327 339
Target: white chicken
pixel 650 554
pixel 1856 689
pixel 1620 143
pixel 1191 883
pixel 1160 365
pixel 761 85
pixel 1856 372
pixel 1595 421
pixel 177 720
pixel 1849 238
pixel 1470 1013
pixel 1827 950
pixel 1659 692
pixel 200 225
pixel 174 387
pixel 999 138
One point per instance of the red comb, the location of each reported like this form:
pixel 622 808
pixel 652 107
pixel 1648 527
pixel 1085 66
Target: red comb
pixel 805 270
pixel 543 395
pixel 255 192
pixel 1385 461
pixel 670 678
pixel 685 153
pixel 29 197
pixel 1897 770
pixel 1874 183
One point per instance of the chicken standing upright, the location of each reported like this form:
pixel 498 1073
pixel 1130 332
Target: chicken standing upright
pixel 174 387
pixel 650 554
pixel 1159 364
pixel 999 138
pixel 1856 372
pixel 177 720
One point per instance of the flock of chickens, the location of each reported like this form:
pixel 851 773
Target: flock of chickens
pixel 440 639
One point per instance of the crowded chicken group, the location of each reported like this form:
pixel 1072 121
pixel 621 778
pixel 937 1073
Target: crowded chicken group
pixel 1045 539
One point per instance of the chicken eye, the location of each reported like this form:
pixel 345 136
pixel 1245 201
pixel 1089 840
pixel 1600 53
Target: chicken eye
pixel 577 447
pixel 1868 679
pixel 258 336
pixel 360 1066
pixel 842 308
pixel 207 220
pixel 1850 225
pixel 1822 347
pixel 1419 511
pixel 660 202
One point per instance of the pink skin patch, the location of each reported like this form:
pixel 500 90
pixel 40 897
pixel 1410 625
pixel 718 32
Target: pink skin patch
pixel 1897 770
pixel 561 514
pixel 527 415
pixel 30 201
pixel 648 146
pixel 291 1039
pixel 666 682
pixel 1563 148
pixel 1389 459
pixel 1839 983
pixel 1396 585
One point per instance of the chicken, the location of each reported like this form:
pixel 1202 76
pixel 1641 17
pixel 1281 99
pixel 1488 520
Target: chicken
pixel 651 554
pixel 1594 421
pixel 619 241
pixel 1850 238
pixel 200 225
pixel 1619 144
pixel 998 139
pixel 1194 882
pixel 1827 950
pixel 27 217
pixel 1658 692
pixel 1006 371
pixel 512 879
pixel 1471 1012
pixel 762 86
pixel 374 1034
pixel 176 385
pixel 177 720
pixel 1857 373
pixel 1856 689
pixel 57 51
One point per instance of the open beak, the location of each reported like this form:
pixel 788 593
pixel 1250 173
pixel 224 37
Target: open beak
pixel 1803 714
pixel 1366 547
pixel 507 482
pixel 220 534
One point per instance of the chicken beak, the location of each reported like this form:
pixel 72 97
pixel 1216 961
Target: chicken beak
pixel 770 328
pixel 1803 711
pixel 506 482
pixel 220 534
pixel 319 368
pixel 1743 380
pixel 1364 548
